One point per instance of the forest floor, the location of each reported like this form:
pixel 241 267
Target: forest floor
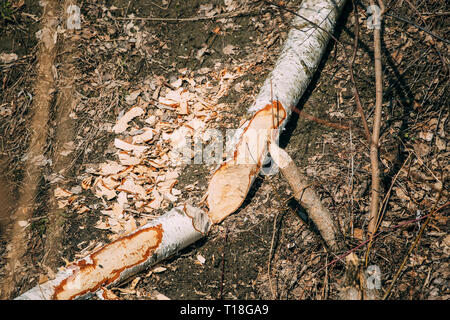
pixel 213 56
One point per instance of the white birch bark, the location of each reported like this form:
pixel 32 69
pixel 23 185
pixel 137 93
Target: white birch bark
pixel 126 256
pixel 299 59
pixel 182 226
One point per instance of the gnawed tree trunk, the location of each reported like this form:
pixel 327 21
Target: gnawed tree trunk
pixel 126 256
pixel 280 93
pixel 231 182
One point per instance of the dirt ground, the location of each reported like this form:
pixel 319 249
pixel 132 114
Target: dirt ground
pixel 267 249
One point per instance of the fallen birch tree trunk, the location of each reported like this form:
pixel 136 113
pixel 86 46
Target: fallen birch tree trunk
pixel 126 256
pixel 298 61
pixel 181 226
pixel 306 196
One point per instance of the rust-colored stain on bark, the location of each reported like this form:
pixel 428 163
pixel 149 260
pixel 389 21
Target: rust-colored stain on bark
pixel 105 265
pixel 275 109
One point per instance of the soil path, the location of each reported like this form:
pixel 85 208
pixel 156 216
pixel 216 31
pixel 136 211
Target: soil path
pixel 43 88
pixel 65 103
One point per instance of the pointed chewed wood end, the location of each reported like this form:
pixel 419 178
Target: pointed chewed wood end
pixel 230 184
pixel 227 190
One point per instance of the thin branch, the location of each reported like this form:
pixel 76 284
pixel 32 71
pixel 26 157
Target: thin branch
pixel 320 121
pixel 161 7
pixel 383 207
pixel 391 229
pixel 375 199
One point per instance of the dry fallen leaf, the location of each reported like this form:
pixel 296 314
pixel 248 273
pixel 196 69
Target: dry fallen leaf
pixel 42 278
pixel 159 269
pixel 358 234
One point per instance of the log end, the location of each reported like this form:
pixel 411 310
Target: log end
pixel 228 189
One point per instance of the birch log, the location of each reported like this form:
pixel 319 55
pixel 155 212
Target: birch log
pixel 230 183
pixel 293 71
pixel 126 256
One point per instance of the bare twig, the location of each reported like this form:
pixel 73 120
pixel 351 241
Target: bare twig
pixel 321 121
pixel 375 199
pixel 342 256
pixel 161 7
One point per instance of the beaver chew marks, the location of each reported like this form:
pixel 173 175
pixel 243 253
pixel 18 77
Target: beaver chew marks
pixel 231 182
pixel 104 266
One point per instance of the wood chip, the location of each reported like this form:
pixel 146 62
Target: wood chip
pixel 110 167
pixel 144 137
pixel 127 160
pixel 61 193
pixel 122 123
pixel 101 190
pixel 137 149
pixel 129 186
